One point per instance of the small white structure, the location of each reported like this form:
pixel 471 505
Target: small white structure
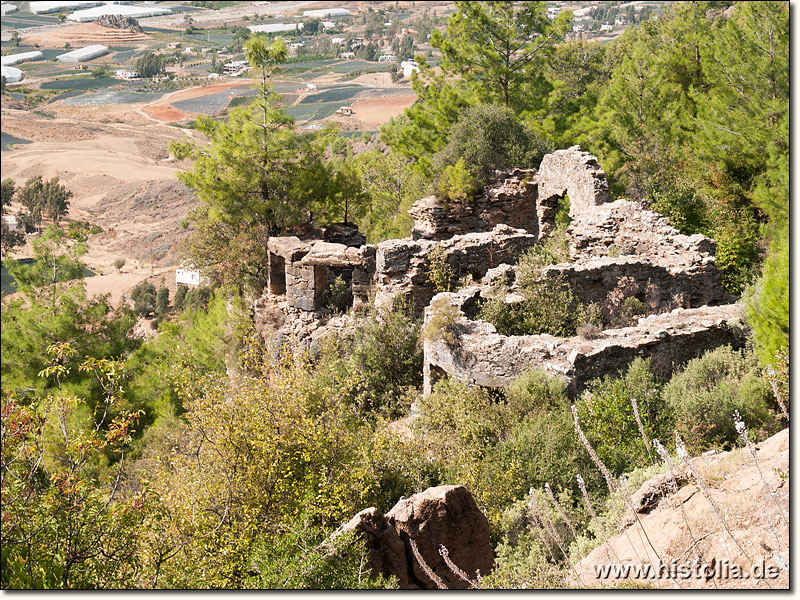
pixel 408 67
pixel 124 10
pixel 552 12
pixel 345 111
pixel 15 59
pixel 213 75
pixel 296 45
pixel 621 22
pixel 326 25
pixel 578 28
pixel 327 12
pixel 387 58
pixel 275 27
pixel 83 54
pixel 347 55
pixel 11 222
pixel 606 27
pixel 311 87
pixel 190 276
pixel 7 8
pixel 12 74
pixel 41 8
pixel 235 67
pixel 338 41
pixel 126 74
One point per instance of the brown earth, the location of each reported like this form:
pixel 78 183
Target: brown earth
pixel 86 33
pixel 163 110
pixel 759 526
pixel 372 113
pixel 121 178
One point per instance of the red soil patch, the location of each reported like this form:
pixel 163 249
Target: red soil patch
pixel 167 114
pixel 374 112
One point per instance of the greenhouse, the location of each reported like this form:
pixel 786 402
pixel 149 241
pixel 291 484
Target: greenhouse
pixel 15 59
pixel 275 27
pixel 12 74
pixel 327 12
pixel 8 8
pixel 47 7
pixel 137 12
pixel 83 54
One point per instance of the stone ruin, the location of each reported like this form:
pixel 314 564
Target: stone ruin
pixel 617 250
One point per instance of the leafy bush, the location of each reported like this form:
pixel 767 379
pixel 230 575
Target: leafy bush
pixel 488 137
pixel 198 297
pixel 456 183
pixel 144 298
pixel 380 361
pixel 442 323
pixel 162 301
pixel 607 418
pixel 767 303
pixel 440 273
pixel 180 296
pixel 711 388
pixel 338 295
pixel 548 304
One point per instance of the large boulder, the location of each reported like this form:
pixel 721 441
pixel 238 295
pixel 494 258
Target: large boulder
pixel 444 516
pixel 386 551
pixel 441 516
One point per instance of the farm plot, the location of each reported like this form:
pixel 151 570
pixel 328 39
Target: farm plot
pixel 110 97
pixel 313 112
pixel 6 141
pixel 210 104
pixel 79 83
pixel 335 94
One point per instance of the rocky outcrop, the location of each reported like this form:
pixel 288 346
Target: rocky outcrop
pixel 575 173
pixel 118 22
pixel 509 200
pixel 445 516
pixel 683 527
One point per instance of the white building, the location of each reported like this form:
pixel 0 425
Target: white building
pixel 606 27
pixel 327 12
pixel 338 41
pixel 408 67
pixel 126 74
pixel 187 275
pixel 387 58
pixel 41 8
pixel 235 67
pixel 83 54
pixel 12 223
pixel 552 12
pixel 347 55
pixel 7 8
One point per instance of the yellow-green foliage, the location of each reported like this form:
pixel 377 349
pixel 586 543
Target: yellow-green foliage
pixel 456 183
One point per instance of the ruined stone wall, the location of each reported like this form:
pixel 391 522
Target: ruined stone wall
pixel 608 281
pixel 509 200
pixel 575 173
pixel 402 266
pixel 483 357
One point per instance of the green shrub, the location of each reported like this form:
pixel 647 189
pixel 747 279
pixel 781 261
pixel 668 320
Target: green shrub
pixel 607 418
pixel 704 396
pixel 456 183
pixel 548 304
pixel 162 301
pixel 144 298
pixel 767 303
pixel 440 273
pixel 380 361
pixel 338 295
pixel 180 295
pixel 442 323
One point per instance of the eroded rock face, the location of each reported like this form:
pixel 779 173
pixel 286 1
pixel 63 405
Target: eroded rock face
pixel 440 516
